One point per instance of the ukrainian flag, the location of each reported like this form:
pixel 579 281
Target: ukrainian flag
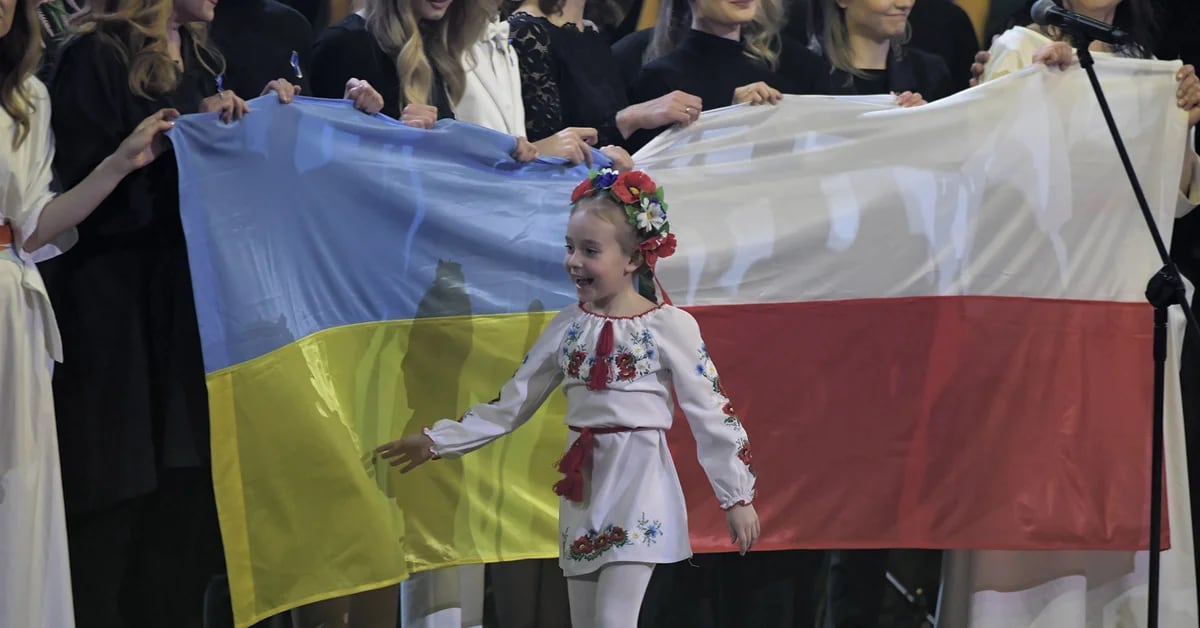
pixel 357 280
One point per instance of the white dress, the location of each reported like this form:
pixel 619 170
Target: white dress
pixel 35 581
pixel 632 508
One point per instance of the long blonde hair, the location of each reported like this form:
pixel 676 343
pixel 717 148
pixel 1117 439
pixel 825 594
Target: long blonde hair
pixel 761 36
pixel 138 28
pixel 835 43
pixel 418 50
pixel 20 53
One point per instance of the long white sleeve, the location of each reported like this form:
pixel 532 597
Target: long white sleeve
pixel 538 376
pixel 721 442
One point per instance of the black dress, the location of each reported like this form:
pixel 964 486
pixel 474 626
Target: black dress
pixel 913 71
pixel 712 67
pixel 258 39
pixel 130 396
pixel 568 78
pixel 347 50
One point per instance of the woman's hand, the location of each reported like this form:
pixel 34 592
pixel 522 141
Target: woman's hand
pixel 910 99
pixel 145 143
pixel 525 151
pixel 981 60
pixel 622 161
pixel 757 94
pixel 410 451
pixel 572 143
pixel 743 526
pixel 1188 93
pixel 677 107
pixel 1055 54
pixel 286 90
pixel 419 116
pixel 230 106
pixel 366 98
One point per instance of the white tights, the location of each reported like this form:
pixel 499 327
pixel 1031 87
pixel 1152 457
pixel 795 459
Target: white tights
pixel 610 597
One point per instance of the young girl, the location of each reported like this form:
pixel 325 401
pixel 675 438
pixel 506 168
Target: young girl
pixel 34 573
pixel 619 356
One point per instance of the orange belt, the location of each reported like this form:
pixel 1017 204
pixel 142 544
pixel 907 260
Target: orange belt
pixel 577 457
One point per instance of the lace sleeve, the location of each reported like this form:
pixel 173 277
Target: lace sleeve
pixel 539 83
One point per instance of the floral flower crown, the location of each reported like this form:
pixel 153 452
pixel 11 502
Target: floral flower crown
pixel 645 209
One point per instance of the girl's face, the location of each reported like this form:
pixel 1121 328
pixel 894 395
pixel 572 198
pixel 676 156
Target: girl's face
pixel 879 20
pixel 725 12
pixel 188 11
pixel 430 10
pixel 7 9
pixel 595 261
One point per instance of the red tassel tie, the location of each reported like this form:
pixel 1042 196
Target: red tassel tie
pixel 578 456
pixel 598 378
pixel 571 466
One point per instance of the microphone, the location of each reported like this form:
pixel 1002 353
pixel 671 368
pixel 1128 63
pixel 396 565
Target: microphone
pixel 1047 13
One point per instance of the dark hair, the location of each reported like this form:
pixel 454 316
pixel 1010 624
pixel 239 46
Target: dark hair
pixel 604 13
pixel 1136 17
pixel 20 53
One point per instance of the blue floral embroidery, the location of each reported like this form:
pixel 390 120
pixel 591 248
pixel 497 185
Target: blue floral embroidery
pixel 649 531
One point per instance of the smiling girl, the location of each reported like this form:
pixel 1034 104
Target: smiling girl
pixel 618 356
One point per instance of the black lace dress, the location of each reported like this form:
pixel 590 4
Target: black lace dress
pixel 568 78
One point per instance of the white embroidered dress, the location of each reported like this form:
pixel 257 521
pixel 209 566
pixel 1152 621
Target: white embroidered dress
pixel 632 508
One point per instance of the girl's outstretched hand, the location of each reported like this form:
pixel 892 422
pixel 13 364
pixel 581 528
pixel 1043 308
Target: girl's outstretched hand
pixel 743 526
pixel 410 451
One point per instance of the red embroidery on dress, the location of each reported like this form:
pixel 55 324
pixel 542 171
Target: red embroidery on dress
pixel 626 367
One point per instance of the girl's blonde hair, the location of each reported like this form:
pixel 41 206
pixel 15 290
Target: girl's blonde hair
pixel 835 40
pixel 605 207
pixel 20 54
pixel 138 30
pixel 419 48
pixel 761 35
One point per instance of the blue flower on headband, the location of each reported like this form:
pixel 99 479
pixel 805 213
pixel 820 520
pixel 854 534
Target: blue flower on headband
pixel 605 178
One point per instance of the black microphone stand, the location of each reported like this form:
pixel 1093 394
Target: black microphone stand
pixel 1164 290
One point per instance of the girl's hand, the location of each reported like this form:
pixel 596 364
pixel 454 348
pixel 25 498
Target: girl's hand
pixel 743 526
pixel 410 451
pixel 1188 93
pixel 757 94
pixel 286 91
pixel 419 116
pixel 366 98
pixel 1055 53
pixel 227 103
pixel 573 144
pixel 622 161
pixel 145 143
pixel 525 151
pixel 910 99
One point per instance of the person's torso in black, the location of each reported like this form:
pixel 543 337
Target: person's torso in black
pixel 258 39
pixel 347 50
pixel 568 78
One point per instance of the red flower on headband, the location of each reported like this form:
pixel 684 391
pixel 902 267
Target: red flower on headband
pixel 631 185
pixel 655 249
pixel 581 191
